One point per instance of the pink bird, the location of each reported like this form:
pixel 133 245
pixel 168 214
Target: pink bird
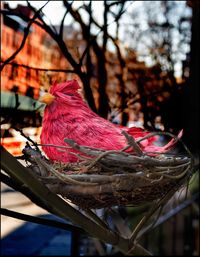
pixel 67 115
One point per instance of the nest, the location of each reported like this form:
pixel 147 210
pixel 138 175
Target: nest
pixel 112 178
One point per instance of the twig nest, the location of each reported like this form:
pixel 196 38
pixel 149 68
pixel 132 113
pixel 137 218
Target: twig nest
pixel 110 178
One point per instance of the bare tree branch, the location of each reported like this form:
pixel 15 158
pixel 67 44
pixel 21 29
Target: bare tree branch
pixel 34 10
pixel 63 19
pixel 39 69
pixel 26 32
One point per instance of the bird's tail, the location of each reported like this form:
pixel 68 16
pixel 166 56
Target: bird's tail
pixel 172 142
pixel 148 144
pixel 165 148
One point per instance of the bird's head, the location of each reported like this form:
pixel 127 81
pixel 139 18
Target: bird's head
pixel 65 91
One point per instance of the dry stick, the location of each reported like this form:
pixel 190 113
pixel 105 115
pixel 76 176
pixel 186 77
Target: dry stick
pixel 61 176
pixel 102 155
pixel 56 146
pixel 177 176
pixel 91 190
pixel 163 169
pixel 91 150
pixel 166 173
pixel 131 159
pixel 100 179
pixel 61 208
pixel 131 141
pixel 109 152
pixel 157 180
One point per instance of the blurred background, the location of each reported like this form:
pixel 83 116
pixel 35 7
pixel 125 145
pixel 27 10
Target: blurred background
pixel 136 61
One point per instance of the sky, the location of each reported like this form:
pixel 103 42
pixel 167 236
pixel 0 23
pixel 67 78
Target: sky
pixel 54 12
pixel 54 9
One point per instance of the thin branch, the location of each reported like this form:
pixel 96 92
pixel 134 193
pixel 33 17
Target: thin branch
pixel 26 33
pixel 61 44
pixel 130 160
pixel 28 138
pixel 102 28
pixel 61 176
pixel 176 139
pixel 63 19
pixel 34 10
pixel 131 141
pixel 39 69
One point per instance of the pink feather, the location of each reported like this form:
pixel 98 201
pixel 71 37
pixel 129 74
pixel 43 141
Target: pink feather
pixel 68 116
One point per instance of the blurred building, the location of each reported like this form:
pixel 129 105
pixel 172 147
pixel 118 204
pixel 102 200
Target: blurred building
pixel 39 51
pixel 21 79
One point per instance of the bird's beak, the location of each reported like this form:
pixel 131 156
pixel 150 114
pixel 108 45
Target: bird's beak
pixel 47 98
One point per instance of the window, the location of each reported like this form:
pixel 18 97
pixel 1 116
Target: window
pixel 14 72
pixel 7 39
pixel 29 49
pixel 15 40
pixel 28 74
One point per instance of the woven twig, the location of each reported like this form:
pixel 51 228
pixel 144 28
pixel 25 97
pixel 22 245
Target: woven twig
pixel 106 178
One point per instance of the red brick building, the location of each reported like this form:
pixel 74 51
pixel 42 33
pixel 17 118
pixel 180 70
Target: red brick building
pixel 39 51
pixel 20 79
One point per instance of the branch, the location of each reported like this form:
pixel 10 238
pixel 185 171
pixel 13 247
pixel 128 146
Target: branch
pixel 52 33
pixel 102 28
pixel 34 10
pixel 26 33
pixel 39 69
pixel 131 141
pixel 63 19
pixel 28 138
pixel 58 39
pixel 130 160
